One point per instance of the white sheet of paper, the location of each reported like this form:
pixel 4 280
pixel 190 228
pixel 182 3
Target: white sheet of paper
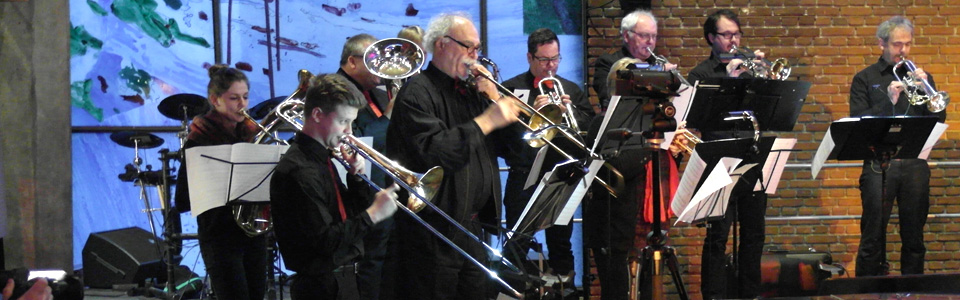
pixel 824 150
pixel 567 214
pixel 935 135
pixel 776 161
pixel 720 182
pixel 614 100
pixel 535 168
pixel 217 174
pixel 688 183
pixel 522 94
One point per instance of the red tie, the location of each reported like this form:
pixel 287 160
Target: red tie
pixel 336 187
pixel 373 106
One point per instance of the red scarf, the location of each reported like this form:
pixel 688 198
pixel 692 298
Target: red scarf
pixel 208 130
pixel 667 196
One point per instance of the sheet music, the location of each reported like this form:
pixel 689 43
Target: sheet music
pixel 826 147
pixel 776 161
pixel 718 186
pixel 614 100
pixel 682 104
pixel 535 168
pixel 218 174
pixel 568 210
pixel 935 135
pixel 688 183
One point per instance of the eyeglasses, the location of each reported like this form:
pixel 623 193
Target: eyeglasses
pixel 644 36
pixel 471 50
pixel 546 60
pixel 730 35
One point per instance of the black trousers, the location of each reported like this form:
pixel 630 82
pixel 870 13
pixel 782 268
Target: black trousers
pixel 341 284
pixel 750 209
pixel 236 264
pixel 431 269
pixel 515 199
pixel 370 268
pixel 908 182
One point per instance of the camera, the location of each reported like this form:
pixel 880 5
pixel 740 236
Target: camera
pixel 62 286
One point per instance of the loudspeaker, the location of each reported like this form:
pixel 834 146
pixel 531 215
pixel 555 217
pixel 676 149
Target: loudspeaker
pixel 928 284
pixel 122 256
pixel 628 6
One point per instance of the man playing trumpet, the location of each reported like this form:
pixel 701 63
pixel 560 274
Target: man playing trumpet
pixel 320 223
pixel 876 92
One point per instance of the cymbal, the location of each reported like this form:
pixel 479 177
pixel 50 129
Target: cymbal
pixel 266 107
pixel 129 139
pixel 173 106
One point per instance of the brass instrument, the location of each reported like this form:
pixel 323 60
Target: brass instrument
pixel 662 62
pixel 393 59
pixel 425 184
pixel 285 112
pixel 552 87
pixel 694 139
pixel 424 188
pixel 779 69
pixel 935 101
pixel 543 124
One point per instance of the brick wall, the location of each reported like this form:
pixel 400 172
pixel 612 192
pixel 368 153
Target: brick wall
pixel 827 41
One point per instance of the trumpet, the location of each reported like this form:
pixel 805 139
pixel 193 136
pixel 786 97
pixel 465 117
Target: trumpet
pixel 694 139
pixel 935 101
pixel 423 188
pixel 662 62
pixel 552 87
pixel 779 69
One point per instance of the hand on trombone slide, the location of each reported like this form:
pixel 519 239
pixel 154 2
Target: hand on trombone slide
pixel 384 204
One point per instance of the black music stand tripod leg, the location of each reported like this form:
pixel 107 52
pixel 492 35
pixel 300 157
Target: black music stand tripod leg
pixel 657 253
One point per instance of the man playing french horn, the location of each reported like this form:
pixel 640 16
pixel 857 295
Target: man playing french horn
pixel 875 91
pixel 320 223
pixel 440 119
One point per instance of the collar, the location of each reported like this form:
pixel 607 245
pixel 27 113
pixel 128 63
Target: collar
pixel 380 102
pixel 311 147
pixel 439 78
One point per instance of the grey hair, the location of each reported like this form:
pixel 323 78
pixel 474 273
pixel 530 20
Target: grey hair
pixel 355 46
pixel 630 20
pixel 440 26
pixel 885 28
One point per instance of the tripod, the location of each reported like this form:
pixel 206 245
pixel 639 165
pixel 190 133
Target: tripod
pixel 657 252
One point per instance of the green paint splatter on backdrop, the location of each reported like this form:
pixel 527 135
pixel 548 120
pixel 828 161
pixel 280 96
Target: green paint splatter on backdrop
pixel 142 13
pixel 97 8
pixel 137 80
pixel 80 40
pixel 80 97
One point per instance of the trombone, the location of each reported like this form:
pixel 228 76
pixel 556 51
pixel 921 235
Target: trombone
pixel 422 189
pixel 936 101
pixel 543 124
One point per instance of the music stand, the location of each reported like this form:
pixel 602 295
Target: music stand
pixel 776 104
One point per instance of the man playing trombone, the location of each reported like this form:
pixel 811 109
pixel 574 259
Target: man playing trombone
pixel 875 91
pixel 543 56
pixel 320 223
pixel 441 120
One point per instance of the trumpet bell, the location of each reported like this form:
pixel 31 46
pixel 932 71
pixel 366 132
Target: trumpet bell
pixel 393 58
pixel 780 69
pixel 938 102
pixel 551 112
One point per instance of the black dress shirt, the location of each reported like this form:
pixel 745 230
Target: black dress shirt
pixel 868 94
pixel 432 126
pixel 712 67
pixel 312 237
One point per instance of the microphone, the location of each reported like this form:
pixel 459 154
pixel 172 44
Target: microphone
pixel 619 134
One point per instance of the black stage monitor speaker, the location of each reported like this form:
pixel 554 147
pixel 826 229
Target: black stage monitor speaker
pixel 921 284
pixel 628 6
pixel 122 256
